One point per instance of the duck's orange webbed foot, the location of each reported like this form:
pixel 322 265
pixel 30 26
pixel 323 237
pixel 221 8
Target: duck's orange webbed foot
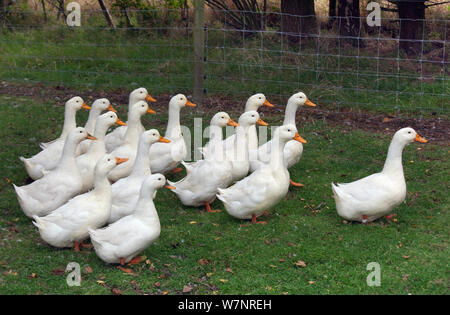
pixel 208 208
pixel 295 184
pixel 257 222
pixel 390 217
pixel 177 170
pixel 89 245
pixel 76 246
pixel 136 260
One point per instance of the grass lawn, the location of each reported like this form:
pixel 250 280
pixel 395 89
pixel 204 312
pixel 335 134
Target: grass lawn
pixel 213 254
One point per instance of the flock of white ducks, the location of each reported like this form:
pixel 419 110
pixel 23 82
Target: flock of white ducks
pixel 72 198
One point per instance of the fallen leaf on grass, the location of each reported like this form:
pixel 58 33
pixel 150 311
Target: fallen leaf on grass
pixel 116 291
pixel 100 282
pixel 165 292
pixel 229 269
pixel 187 289
pixel 10 272
pixel 88 269
pixel 406 257
pixel 32 276
pixel 223 280
pixel 311 282
pixel 273 266
pixel 203 261
pixel 300 263
pixel 57 272
pixel 157 284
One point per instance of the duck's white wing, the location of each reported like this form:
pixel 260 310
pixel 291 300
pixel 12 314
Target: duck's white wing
pixel 251 191
pixel 70 215
pixel 368 189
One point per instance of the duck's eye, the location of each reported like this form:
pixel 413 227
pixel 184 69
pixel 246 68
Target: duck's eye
pixel 154 134
pixel 159 178
pixel 289 130
pixel 109 160
pixel 409 131
pixel 81 131
pixel 143 105
pixel 141 92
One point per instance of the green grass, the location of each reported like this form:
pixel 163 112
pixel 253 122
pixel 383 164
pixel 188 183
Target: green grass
pixel 92 56
pixel 413 252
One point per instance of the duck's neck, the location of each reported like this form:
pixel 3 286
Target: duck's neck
pixel 289 114
pixel 276 154
pixel 134 127
pixel 393 164
pixel 90 123
pixel 141 165
pixel 68 158
pixel 242 148
pixel 70 121
pixel 99 144
pixel 252 138
pixel 215 142
pixel 173 125
pixel 145 206
pixel 102 185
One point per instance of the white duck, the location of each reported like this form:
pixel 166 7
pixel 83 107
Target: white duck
pixel 44 145
pixel 199 187
pixel 97 108
pixel 163 157
pixel 293 149
pixel 238 155
pixel 124 239
pixel 68 225
pixel 253 103
pixel 86 162
pixel 115 138
pixel 126 190
pixel 265 187
pixel 376 195
pixel 59 185
pixel 128 148
pixel 48 158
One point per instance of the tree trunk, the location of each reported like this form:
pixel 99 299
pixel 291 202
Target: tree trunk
pixel 331 13
pixel 44 10
pixel 302 25
pixel 412 16
pixel 127 18
pixel 106 13
pixel 349 21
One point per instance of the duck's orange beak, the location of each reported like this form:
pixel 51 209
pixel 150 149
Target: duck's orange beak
pixel 149 98
pixel 261 122
pixel 299 138
pixel 420 139
pixel 120 160
pixel 112 108
pixel 150 111
pixel 231 122
pixel 162 139
pixel 86 106
pixel 120 123
pixel 309 103
pixel 169 187
pixel 189 103
pixel 90 137
pixel 267 103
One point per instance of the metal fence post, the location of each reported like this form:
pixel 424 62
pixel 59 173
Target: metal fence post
pixel 199 48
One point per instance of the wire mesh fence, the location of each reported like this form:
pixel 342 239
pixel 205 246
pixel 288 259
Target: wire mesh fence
pixel 155 48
